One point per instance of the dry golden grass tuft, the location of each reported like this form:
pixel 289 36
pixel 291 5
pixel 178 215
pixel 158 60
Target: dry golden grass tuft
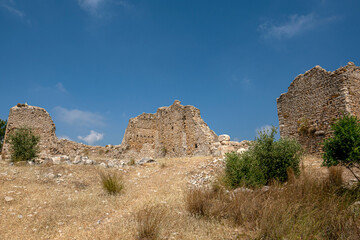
pixel 112 182
pixel 149 221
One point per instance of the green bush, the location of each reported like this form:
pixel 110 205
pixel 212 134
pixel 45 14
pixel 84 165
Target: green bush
pixel 23 145
pixel 2 132
pixel 343 148
pixel 266 160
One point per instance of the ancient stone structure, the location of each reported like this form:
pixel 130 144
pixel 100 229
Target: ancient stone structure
pixel 36 118
pixel 172 131
pixel 316 99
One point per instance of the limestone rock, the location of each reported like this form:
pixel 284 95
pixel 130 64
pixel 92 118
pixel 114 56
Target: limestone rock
pixel 224 137
pixel 77 160
pixel 226 149
pixel 241 150
pixel 8 199
pixel 145 160
pixel 89 162
pixel 56 160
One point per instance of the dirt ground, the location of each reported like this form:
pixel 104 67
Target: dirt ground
pixel 68 202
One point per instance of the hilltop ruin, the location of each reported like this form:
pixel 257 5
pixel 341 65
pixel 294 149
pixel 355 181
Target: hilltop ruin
pixel 174 131
pixel 315 100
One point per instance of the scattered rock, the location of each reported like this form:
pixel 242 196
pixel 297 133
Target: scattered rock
pixel 89 162
pixel 56 160
pixel 224 137
pixel 241 150
pixel 319 133
pixel 145 160
pixel 77 160
pixel 64 158
pixel 8 199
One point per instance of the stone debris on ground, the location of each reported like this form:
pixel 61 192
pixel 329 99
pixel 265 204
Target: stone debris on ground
pixel 145 160
pixel 206 173
pixel 8 199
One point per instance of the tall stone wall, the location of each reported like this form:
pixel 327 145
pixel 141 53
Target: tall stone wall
pixel 315 100
pixel 36 118
pixel 172 131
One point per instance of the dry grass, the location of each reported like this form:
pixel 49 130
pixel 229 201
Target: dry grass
pixel 335 176
pixel 149 221
pixel 132 162
pixel 306 208
pixel 67 202
pixel 112 182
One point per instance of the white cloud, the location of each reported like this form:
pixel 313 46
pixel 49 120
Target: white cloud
pixel 295 25
pixel 98 7
pixel 10 6
pixel 61 87
pixel 78 117
pixel 92 137
pixel 91 6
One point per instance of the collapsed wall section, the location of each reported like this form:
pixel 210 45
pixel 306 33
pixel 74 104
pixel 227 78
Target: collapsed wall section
pixel 314 101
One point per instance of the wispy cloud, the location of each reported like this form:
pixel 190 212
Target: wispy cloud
pixel 98 7
pixel 92 137
pixel 295 25
pixel 91 6
pixel 9 5
pixel 78 117
pixel 61 87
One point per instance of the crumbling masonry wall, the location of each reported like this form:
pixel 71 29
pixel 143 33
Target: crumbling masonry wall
pixel 315 100
pixel 36 118
pixel 176 130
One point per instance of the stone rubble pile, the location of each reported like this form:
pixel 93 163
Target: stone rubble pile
pixel 224 145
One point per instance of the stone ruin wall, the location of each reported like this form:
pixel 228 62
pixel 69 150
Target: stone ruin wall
pixel 36 118
pixel 172 131
pixel 315 100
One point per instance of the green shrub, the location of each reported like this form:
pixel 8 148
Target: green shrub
pixel 344 147
pixel 112 183
pixel 23 145
pixel 266 160
pixel 2 132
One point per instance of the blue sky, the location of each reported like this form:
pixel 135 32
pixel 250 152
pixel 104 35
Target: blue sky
pixel 93 64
